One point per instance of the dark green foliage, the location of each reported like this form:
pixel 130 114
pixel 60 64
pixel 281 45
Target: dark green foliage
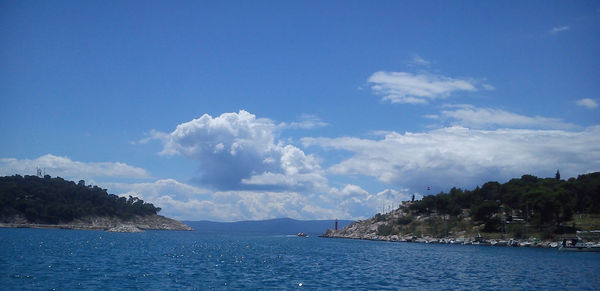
pixel 564 229
pixel 385 229
pixel 404 220
pixel 54 200
pixel 544 203
pixel 485 211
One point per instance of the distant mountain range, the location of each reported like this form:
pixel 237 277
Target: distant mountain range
pixel 270 226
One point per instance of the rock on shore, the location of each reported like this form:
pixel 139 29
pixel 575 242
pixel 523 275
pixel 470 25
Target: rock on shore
pixel 357 230
pixel 124 228
pixel 148 222
pixel 367 230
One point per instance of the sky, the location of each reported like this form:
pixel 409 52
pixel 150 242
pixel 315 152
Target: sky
pixel 249 110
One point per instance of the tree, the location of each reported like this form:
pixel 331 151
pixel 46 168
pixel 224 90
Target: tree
pixel 486 213
pixel 54 200
pixel 557 176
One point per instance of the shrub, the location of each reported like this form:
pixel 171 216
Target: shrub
pixel 404 220
pixel 385 229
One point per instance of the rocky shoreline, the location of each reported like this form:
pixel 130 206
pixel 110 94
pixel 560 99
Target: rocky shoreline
pixel 113 224
pixel 531 242
pixel 367 230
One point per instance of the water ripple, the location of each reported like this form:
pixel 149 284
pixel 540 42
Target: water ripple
pixel 70 259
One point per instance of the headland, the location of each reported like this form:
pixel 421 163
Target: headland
pixel 46 202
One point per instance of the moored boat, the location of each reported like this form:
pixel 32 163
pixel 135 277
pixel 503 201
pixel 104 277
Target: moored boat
pixel 499 243
pixel 577 245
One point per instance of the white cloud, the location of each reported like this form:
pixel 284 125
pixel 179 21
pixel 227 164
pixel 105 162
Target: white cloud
pixel 458 156
pixel 263 205
pixel 153 190
pixel 239 151
pixel 182 201
pixel 247 205
pixel 471 116
pixel 587 102
pixel 403 87
pixel 488 87
pixel 558 29
pixel 177 200
pixel 256 176
pixel 307 122
pixel 67 168
pixel 419 61
pixel 357 203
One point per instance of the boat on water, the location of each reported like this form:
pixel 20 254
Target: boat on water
pixel 301 234
pixel 577 245
pixel 499 243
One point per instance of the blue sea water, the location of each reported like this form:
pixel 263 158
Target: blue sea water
pixel 171 260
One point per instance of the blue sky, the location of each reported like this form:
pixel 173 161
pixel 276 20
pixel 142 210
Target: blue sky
pixel 236 110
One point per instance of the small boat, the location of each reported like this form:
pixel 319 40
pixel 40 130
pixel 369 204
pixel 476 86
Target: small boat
pixel 577 245
pixel 301 234
pixel 499 243
pixel 526 244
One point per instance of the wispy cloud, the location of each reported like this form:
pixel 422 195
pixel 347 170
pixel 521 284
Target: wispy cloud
pixel 307 121
pixel 587 102
pixel 404 87
pixel 475 117
pixel 558 29
pixel 419 61
pixel 488 87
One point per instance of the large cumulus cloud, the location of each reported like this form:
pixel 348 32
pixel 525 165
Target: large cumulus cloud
pixel 238 151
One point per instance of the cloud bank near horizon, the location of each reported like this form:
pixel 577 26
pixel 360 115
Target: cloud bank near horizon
pixel 459 156
pixel 249 173
pixel 64 166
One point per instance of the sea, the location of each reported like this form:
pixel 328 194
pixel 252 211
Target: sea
pixel 58 259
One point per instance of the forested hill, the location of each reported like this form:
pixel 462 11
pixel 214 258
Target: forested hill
pixel 544 202
pixel 50 200
pixel 522 208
